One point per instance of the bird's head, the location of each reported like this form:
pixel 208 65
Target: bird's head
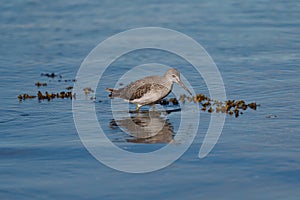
pixel 174 76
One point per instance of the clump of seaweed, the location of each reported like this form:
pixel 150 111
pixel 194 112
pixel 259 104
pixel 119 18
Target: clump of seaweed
pixel 69 88
pixel 47 95
pixel 88 90
pixel 174 101
pixel 25 96
pixel 51 75
pixel 67 80
pixel 231 107
pixel 39 84
pixel 50 96
pixel 164 102
pixel 54 75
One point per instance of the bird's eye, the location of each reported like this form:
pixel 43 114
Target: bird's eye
pixel 173 75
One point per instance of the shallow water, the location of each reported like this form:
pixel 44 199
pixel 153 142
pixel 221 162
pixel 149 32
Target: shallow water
pixel 256 48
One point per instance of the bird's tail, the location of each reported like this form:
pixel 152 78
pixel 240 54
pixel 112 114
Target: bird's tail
pixel 113 93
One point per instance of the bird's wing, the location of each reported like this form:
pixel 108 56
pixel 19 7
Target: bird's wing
pixel 139 88
pixel 140 91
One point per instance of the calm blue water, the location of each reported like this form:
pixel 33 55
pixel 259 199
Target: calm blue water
pixel 256 47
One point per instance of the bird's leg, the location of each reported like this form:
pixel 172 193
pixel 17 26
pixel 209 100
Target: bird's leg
pixel 153 107
pixel 137 108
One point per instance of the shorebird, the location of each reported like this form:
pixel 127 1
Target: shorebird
pixel 148 90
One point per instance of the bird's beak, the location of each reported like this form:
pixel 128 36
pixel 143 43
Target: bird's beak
pixel 183 86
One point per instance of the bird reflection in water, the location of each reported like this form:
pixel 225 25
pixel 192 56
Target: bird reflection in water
pixel 146 127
